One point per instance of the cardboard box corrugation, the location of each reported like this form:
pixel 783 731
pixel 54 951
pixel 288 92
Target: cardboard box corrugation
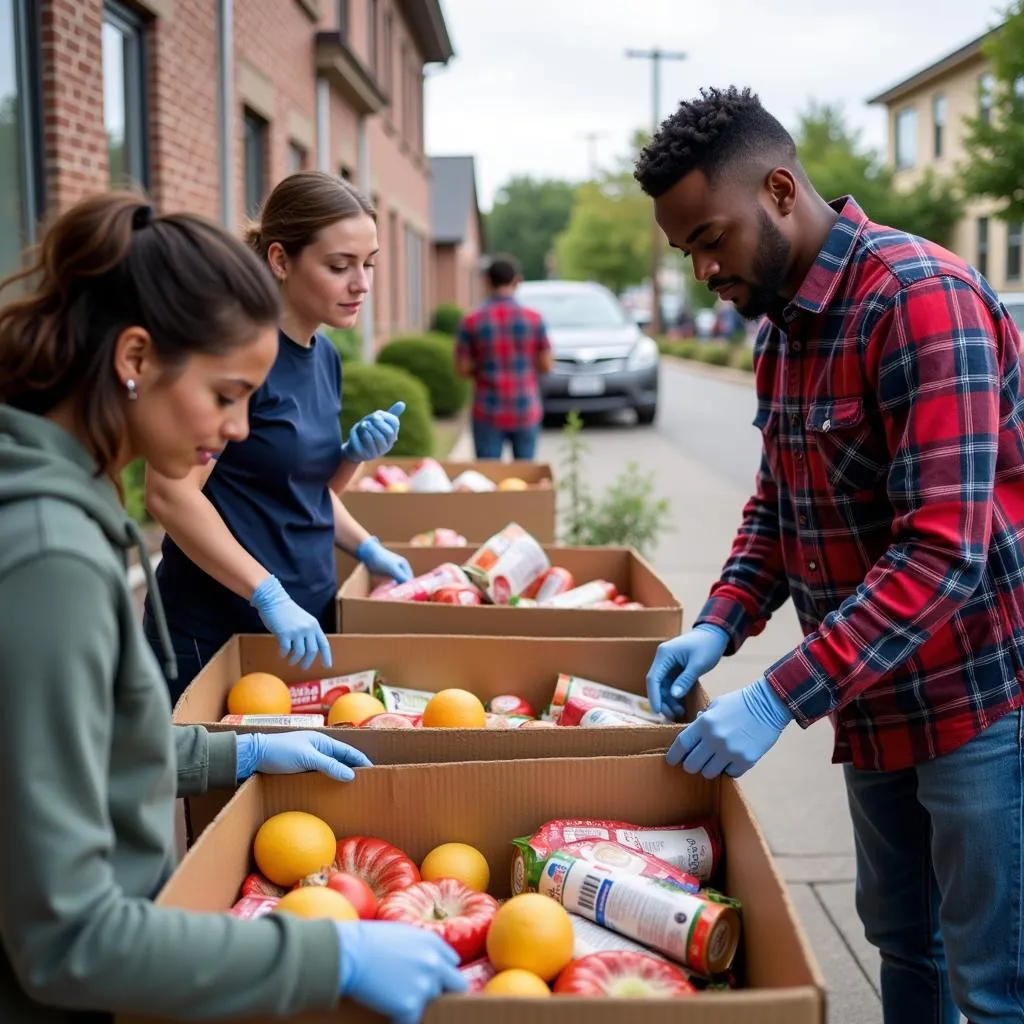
pixel 487 804
pixel 398 517
pixel 632 574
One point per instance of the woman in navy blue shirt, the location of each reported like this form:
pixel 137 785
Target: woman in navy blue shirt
pixel 251 534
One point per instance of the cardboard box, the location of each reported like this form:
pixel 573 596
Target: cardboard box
pixel 661 619
pixel 397 518
pixel 487 804
pixel 486 666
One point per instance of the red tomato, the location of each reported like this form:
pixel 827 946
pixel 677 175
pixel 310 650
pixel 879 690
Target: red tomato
pixel 455 912
pixel 256 885
pixel 621 974
pixel 383 867
pixel 356 891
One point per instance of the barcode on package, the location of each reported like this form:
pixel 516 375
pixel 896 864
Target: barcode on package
pixel 589 888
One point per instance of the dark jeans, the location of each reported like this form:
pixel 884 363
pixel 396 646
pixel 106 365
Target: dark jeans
pixel 489 441
pixel 190 653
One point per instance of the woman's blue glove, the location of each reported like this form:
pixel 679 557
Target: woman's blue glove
pixel 395 969
pixel 679 663
pixel 289 753
pixel 298 633
pixel 733 733
pixel 381 562
pixel 374 435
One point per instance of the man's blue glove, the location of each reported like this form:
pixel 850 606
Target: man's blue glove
pixel 395 969
pixel 289 753
pixel 374 435
pixel 381 562
pixel 733 733
pixel 298 633
pixel 680 662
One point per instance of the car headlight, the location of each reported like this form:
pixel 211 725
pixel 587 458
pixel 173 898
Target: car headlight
pixel 644 354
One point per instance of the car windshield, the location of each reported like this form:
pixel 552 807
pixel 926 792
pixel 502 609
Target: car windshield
pixel 574 309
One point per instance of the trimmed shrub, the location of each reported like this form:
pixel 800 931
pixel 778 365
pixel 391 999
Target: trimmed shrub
pixel 685 349
pixel 348 341
pixel 744 360
pixel 431 360
pixel 367 387
pixel 446 318
pixel 714 353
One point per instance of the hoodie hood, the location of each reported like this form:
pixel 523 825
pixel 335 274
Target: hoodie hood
pixel 39 459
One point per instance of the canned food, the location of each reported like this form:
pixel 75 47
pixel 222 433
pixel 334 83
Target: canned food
pixel 584 596
pixel 477 974
pixel 510 704
pixel 507 564
pixel 702 935
pixel 420 588
pixel 555 581
pixel 592 938
pixel 402 700
pixel 585 713
pixel 569 686
pixel 609 854
pixel 457 595
pixel 292 721
pixel 317 695
pixel 249 908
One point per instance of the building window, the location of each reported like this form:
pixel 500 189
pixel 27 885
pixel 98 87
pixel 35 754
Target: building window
pixel 986 88
pixel 1013 243
pixel 938 125
pixel 255 157
pixel 393 289
pixel 388 44
pixel 296 158
pixel 124 95
pixel 343 17
pixel 906 138
pixel 345 172
pixel 20 201
pixel 982 261
pixel 413 279
pixel 372 15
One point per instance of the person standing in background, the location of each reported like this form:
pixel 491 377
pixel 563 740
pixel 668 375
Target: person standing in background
pixel 503 348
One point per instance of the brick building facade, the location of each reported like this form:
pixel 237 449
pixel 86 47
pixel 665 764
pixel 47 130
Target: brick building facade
pixel 98 93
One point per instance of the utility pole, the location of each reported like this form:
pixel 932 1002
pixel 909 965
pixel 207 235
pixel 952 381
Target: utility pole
pixel 655 56
pixel 591 139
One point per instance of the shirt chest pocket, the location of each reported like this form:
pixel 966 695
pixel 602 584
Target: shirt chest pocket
pixel 850 451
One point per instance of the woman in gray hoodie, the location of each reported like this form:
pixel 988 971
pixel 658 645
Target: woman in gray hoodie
pixel 136 336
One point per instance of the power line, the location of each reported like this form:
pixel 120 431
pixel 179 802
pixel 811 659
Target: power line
pixel 591 140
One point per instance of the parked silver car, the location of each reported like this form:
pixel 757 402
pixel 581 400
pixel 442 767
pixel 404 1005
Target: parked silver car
pixel 603 362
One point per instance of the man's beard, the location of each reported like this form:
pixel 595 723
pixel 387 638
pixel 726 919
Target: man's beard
pixel 771 261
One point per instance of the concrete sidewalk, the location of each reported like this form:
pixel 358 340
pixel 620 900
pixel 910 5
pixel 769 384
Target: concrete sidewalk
pixel 797 794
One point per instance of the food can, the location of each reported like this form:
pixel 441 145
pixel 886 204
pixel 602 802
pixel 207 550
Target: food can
pixel 477 973
pixel 420 588
pixel 569 686
pixel 702 935
pixel 402 700
pixel 554 582
pixel 584 596
pixel 510 704
pixel 317 695
pixel 606 853
pixel 587 714
pixel 249 908
pixel 457 595
pixel 292 721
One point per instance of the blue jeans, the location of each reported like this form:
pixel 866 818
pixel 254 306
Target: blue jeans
pixel 489 441
pixel 190 653
pixel 939 862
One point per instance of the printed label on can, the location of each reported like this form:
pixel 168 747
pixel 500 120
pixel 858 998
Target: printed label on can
pixel 403 700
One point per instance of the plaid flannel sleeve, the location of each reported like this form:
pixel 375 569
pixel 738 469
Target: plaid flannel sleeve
pixel 463 342
pixel 936 362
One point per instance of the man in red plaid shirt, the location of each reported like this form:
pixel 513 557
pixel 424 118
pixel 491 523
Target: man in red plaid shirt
pixel 503 348
pixel 889 505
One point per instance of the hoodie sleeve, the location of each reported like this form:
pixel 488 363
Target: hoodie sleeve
pixel 72 935
pixel 205 760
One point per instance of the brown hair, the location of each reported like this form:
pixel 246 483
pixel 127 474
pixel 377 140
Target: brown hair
pixel 302 205
pixel 108 264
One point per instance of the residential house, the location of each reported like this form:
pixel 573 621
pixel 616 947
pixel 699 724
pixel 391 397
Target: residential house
pixel 208 103
pixel 927 131
pixel 458 233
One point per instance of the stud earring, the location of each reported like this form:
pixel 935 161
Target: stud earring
pixel 133 394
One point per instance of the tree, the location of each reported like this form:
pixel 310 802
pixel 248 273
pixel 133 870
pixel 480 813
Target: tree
pixel 526 216
pixel 838 164
pixel 995 141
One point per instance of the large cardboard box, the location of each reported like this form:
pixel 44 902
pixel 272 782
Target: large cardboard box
pixel 487 804
pixel 397 518
pixel 486 666
pixel 632 574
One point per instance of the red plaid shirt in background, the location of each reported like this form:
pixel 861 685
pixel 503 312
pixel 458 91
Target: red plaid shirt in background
pixel 890 499
pixel 503 341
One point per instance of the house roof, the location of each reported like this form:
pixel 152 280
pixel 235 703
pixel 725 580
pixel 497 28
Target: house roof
pixel 453 198
pixel 426 21
pixel 948 63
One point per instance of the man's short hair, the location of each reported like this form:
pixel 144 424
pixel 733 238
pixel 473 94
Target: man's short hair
pixel 723 131
pixel 502 271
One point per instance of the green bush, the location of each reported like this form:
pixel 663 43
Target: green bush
pixel 430 360
pixel 714 353
pixel 367 387
pixel 348 341
pixel 133 483
pixel 684 349
pixel 447 318
pixel 744 359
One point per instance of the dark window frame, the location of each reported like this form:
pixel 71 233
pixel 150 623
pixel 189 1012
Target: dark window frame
pixel 136 93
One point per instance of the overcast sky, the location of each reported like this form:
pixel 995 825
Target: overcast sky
pixel 531 77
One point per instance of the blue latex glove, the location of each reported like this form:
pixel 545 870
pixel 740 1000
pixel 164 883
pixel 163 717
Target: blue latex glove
pixel 289 753
pixel 298 633
pixel 395 969
pixel 733 733
pixel 680 662
pixel 373 435
pixel 381 562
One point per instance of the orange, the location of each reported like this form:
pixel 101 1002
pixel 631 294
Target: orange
pixel 454 709
pixel 293 844
pixel 259 693
pixel 354 708
pixel 531 932
pixel 317 901
pixel 457 860
pixel 512 483
pixel 515 982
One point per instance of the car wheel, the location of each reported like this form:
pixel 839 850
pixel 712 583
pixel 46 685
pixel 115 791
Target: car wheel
pixel 646 413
